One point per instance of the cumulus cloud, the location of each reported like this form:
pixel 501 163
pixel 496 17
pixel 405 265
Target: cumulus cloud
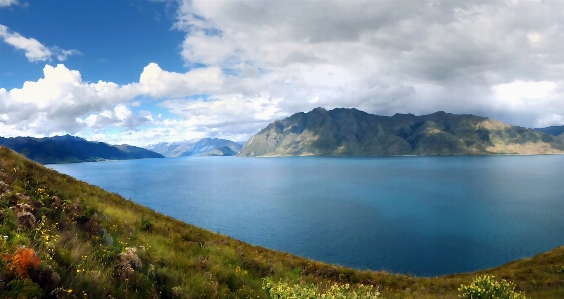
pixel 34 50
pixel 119 116
pixel 54 102
pixel 159 83
pixel 387 56
pixel 62 102
pixel 251 62
pixel 6 3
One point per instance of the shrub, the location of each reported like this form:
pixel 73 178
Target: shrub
pixel 21 289
pixel 146 224
pixel 336 291
pixel 485 287
pixel 21 262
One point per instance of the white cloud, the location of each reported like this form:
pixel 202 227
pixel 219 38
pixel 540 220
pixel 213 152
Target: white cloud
pixel 62 102
pixel 256 61
pixel 119 116
pixel 159 83
pixel 6 3
pixel 34 50
pixel 518 92
pixel 385 56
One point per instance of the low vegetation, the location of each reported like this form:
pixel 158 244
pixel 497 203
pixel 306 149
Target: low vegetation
pixel 62 238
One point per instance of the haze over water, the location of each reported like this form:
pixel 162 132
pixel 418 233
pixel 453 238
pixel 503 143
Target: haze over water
pixel 421 215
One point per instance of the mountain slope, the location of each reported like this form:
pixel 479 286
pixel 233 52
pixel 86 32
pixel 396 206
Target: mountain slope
pixel 201 147
pixel 553 130
pixel 351 132
pixel 67 149
pixel 84 242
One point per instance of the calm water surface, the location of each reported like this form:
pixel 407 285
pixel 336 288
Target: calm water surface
pixel 419 215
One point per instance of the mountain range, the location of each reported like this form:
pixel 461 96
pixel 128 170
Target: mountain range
pixel 69 149
pixel 351 132
pixel 202 147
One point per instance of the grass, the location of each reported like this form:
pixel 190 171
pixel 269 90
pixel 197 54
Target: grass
pixel 96 244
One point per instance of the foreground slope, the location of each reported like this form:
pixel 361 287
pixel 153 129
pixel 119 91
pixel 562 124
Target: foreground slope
pixel 83 242
pixel 69 149
pixel 351 132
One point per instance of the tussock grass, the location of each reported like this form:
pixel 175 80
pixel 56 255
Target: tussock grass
pixel 86 234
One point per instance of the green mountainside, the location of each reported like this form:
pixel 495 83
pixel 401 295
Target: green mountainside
pixel 351 132
pixel 70 149
pixel 63 238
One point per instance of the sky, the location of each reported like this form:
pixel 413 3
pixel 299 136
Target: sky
pixel 142 72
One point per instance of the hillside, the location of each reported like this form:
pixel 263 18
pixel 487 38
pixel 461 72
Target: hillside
pixel 83 242
pixel 351 132
pixel 69 149
pixel 201 147
pixel 553 130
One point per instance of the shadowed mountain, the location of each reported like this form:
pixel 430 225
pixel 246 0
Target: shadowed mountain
pixel 70 149
pixel 557 131
pixel 202 147
pixel 351 132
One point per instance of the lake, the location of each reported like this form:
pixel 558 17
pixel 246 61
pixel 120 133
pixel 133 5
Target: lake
pixel 421 215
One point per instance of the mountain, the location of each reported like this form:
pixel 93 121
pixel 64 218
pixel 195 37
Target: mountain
pixel 202 147
pixel 69 149
pixel 171 149
pixel 222 151
pixel 553 130
pixel 63 238
pixel 351 132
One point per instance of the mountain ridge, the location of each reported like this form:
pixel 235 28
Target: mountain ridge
pixel 72 149
pixel 557 131
pixel 351 132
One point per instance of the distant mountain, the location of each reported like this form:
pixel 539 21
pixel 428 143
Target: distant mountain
pixel 69 149
pixel 553 130
pixel 202 147
pixel 222 151
pixel 351 132
pixel 171 149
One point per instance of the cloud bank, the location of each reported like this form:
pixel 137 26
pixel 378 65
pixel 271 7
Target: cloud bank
pixel 251 62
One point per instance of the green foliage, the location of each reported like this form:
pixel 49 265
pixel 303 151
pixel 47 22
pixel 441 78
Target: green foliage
pixel 283 290
pixel 146 224
pixel 21 289
pixel 486 287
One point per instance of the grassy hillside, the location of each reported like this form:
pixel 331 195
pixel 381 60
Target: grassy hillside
pixel 83 242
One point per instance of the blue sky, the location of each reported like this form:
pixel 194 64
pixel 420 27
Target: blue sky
pixel 143 72
pixel 116 39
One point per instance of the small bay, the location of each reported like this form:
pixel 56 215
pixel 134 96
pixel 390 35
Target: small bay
pixel 421 215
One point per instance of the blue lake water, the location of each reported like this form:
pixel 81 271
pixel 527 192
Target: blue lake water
pixel 421 215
